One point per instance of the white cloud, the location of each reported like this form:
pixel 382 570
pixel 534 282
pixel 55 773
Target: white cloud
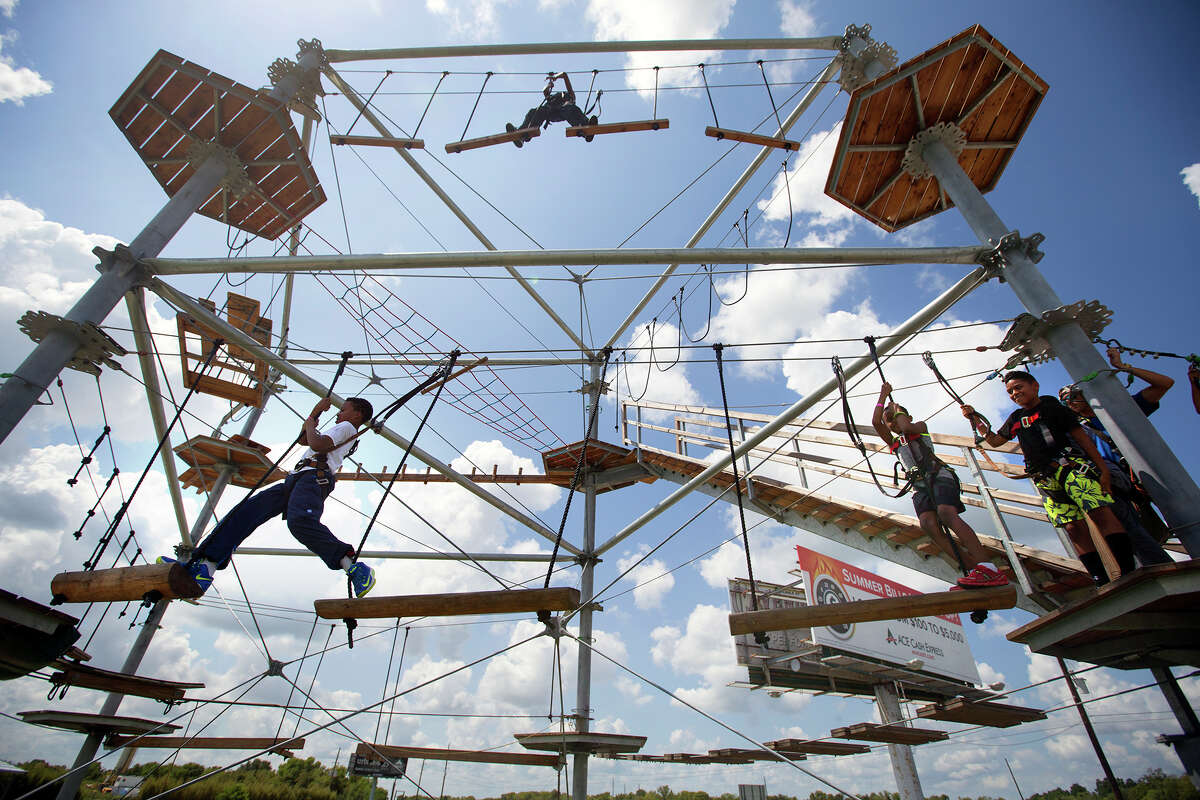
pixel 796 18
pixel 17 83
pixel 657 370
pixel 475 19
pixel 1191 179
pixel 651 579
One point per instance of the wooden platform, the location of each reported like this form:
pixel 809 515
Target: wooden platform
pixel 612 466
pixel 817 747
pixel 752 138
pixel 72 673
pixel 149 581
pixel 756 755
pixel 235 374
pixel 174 105
pixel 206 456
pixel 993 715
pixel 31 635
pixel 279 746
pixel 438 754
pixel 619 127
pixel 572 742
pixel 505 601
pixel 95 723
pixel 378 141
pixel 524 134
pixel 890 734
pixel 1141 620
pixel 970 80
pixel 917 605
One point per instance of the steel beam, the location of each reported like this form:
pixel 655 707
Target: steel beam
pixel 562 48
pixel 888 343
pixel 836 256
pixel 244 341
pixel 416 555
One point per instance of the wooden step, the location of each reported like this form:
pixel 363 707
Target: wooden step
pixel 145 582
pixel 619 127
pixel 524 134
pixel 378 141
pixel 993 715
pixel 85 676
pixel 751 138
pixel 506 601
pixel 891 734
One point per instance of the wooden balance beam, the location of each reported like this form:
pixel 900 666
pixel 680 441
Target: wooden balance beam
pixel 524 134
pixel 752 138
pixel 147 582
pixel 916 605
pixel 393 752
pixel 71 673
pixel 619 127
pixel 282 746
pixel 379 141
pixel 451 605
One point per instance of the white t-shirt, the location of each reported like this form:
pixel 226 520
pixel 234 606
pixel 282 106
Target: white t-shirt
pixel 341 434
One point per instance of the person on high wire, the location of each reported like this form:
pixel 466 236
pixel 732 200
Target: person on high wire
pixel 300 498
pixel 935 490
pixel 556 107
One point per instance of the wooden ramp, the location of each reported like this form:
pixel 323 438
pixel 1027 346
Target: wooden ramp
pixel 889 734
pixel 279 746
pixel 619 127
pixel 817 747
pixel 95 723
pixel 438 754
pixel 31 635
pixel 148 582
pixel 506 601
pixel 521 134
pixel 1144 619
pixel 573 742
pixel 916 605
pixel 71 673
pixel 752 138
pixel 378 141
pixel 993 715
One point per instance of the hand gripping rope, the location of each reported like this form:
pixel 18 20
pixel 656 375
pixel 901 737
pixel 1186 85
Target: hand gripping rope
pixel 852 430
pixel 441 376
pixel 980 439
pixel 760 636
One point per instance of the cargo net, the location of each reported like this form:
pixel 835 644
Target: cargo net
pixel 401 330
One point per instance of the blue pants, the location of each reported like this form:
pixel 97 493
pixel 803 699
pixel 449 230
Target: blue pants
pixel 300 499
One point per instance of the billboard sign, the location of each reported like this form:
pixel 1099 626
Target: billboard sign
pixel 779 643
pixel 937 641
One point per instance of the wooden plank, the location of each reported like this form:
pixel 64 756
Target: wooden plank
pixel 438 754
pixel 891 734
pixel 378 141
pixel 918 605
pixel 524 134
pixel 506 601
pixel 206 743
pixel 751 138
pixel 817 748
pixel 89 677
pixel 619 127
pixel 994 715
pixel 126 583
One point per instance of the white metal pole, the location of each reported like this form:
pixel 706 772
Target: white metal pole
pixel 904 766
pixel 915 323
pixel 583 684
pixel 993 508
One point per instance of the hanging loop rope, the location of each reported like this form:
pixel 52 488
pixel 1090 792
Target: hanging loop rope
pixel 432 95
pixel 852 429
pixel 587 433
pixel 486 78
pixel 770 96
pixel 708 92
pixel 654 113
pixel 386 75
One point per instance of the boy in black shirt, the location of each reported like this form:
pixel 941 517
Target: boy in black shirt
pixel 1072 488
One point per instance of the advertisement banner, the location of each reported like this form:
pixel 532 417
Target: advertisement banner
pixel 939 642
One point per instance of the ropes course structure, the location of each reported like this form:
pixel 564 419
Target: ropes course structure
pixel 233 154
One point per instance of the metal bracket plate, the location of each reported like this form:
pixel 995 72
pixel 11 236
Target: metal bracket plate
pixel 95 346
pixel 996 259
pixel 1027 335
pixel 854 68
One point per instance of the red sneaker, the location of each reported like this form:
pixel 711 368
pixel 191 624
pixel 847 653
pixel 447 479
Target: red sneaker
pixel 982 577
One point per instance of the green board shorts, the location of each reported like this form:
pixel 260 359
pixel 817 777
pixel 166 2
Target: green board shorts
pixel 1070 492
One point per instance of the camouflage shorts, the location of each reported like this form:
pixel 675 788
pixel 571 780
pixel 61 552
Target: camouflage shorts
pixel 1070 492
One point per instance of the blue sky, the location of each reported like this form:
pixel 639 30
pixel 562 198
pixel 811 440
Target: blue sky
pixel 1109 171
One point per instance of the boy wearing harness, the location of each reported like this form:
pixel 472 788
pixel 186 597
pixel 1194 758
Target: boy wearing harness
pixel 556 107
pixel 300 498
pixel 935 490
pixel 1073 489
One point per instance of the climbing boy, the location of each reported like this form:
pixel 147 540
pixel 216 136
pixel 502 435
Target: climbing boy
pixel 1073 489
pixel 556 107
pixel 300 498
pixel 935 490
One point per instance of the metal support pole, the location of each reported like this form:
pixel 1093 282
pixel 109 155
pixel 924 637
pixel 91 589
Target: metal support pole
pixel 91 744
pixel 41 367
pixel 885 345
pixel 135 304
pixel 904 766
pixel 238 337
pixel 583 682
pixel 1186 744
pixel 998 520
pixel 1169 484
pixel 358 103
pixel 1091 732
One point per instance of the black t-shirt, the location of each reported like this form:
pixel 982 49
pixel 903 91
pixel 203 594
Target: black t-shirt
pixel 1042 431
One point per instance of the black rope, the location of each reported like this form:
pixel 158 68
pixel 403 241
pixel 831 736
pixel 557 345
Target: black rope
pixel 368 103
pixel 587 432
pixel 770 96
pixel 428 104
pixel 588 99
pixel 759 636
pixel 927 357
pixel 707 91
pixel 486 78
pixel 1192 358
pixel 83 462
pixel 654 114
pixel 852 429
